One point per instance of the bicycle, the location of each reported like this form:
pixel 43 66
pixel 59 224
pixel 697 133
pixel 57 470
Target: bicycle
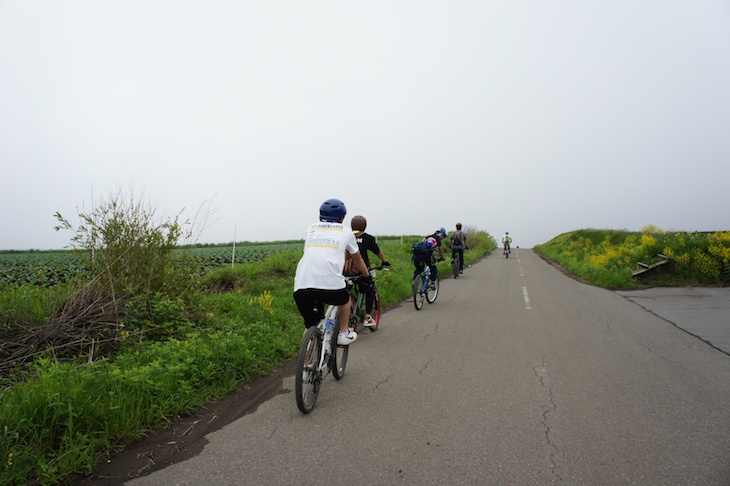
pixel 506 250
pixel 318 355
pixel 357 302
pixel 422 289
pixel 456 262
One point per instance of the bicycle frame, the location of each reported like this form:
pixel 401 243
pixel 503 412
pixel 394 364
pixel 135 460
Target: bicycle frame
pixel 326 350
pixel 422 289
pixel 358 301
pixel 357 306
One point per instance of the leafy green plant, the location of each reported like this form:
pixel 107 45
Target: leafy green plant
pixel 128 247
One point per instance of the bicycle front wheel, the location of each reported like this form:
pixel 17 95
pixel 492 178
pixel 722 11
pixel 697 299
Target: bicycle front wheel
pixel 354 314
pixel 307 378
pixel 375 314
pixel 432 292
pixel 418 292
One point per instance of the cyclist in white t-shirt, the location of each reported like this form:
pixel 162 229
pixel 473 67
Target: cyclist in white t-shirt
pixel 319 280
pixel 506 241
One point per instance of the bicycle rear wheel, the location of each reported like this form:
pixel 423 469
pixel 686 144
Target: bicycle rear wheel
pixel 307 379
pixel 432 292
pixel 417 292
pixel 456 262
pixel 375 314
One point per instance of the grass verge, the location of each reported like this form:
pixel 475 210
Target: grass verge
pixel 60 417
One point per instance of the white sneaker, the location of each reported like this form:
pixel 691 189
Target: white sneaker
pixel 369 321
pixel 345 338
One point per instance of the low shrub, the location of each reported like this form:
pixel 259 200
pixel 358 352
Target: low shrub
pixel 609 258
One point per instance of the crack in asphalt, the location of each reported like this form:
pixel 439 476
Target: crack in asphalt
pixel 425 367
pixel 648 348
pixel 433 333
pixel 383 382
pixel 541 374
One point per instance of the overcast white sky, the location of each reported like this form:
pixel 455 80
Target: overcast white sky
pixel 535 117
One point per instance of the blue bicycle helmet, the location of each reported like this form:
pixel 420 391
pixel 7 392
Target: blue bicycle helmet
pixel 332 211
pixel 443 232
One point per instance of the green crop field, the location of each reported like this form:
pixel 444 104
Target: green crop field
pixel 50 268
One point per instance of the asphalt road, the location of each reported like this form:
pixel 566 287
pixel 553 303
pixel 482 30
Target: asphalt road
pixel 701 311
pixel 516 375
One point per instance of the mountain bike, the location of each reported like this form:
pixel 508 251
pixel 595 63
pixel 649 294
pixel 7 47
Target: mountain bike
pixel 357 301
pixel 456 262
pixel 506 250
pixel 424 289
pixel 318 355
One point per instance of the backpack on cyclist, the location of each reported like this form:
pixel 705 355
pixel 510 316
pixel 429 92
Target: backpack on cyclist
pixel 458 238
pixel 421 248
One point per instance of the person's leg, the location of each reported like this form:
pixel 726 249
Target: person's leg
pixel 340 298
pixel 311 310
pixel 369 291
pixel 418 264
pixel 344 312
pixel 461 259
pixel 367 288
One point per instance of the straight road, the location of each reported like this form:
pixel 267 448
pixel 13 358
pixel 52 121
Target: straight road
pixel 516 375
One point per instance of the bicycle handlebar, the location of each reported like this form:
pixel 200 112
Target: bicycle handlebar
pixel 353 279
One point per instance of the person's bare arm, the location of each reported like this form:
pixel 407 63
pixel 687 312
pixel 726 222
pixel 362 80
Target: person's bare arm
pixel 360 263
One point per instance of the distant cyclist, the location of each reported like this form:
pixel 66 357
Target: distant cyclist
pixel 506 240
pixel 458 244
pixel 366 242
pixel 318 280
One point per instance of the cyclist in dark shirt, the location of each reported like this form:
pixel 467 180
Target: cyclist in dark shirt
pixel 423 255
pixel 367 243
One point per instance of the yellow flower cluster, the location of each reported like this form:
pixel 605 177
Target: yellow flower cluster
pixel 696 263
pixel 647 240
pixel 720 245
pixel 265 300
pixel 705 264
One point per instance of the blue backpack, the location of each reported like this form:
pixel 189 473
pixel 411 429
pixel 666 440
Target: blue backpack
pixel 421 248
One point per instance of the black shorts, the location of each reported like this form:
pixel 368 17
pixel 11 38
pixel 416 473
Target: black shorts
pixel 312 303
